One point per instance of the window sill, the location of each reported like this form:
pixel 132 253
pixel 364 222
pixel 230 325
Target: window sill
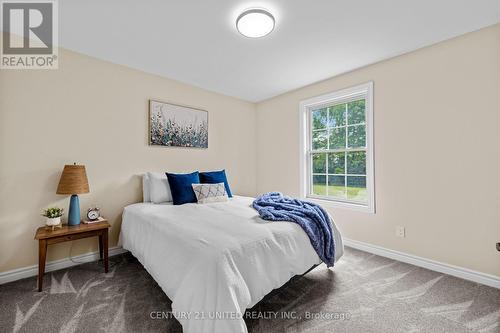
pixel 344 205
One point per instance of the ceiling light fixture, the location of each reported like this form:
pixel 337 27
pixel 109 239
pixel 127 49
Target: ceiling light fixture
pixel 255 23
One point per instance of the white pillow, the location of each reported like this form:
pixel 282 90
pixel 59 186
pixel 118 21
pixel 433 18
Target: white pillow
pixel 159 189
pixel 206 193
pixel 145 188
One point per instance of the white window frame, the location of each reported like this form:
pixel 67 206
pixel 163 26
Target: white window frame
pixel 306 106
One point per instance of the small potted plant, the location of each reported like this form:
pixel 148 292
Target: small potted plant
pixel 53 215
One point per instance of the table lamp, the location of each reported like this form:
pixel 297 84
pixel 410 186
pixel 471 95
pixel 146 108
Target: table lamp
pixel 73 181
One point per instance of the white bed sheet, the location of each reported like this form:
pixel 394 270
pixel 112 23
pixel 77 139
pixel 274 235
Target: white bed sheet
pixel 216 260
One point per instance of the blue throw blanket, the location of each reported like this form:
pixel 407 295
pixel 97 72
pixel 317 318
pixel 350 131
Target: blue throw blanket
pixel 274 206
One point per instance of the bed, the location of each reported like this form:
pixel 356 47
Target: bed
pixel 216 260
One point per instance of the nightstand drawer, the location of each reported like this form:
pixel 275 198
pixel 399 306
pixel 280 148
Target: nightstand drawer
pixel 66 238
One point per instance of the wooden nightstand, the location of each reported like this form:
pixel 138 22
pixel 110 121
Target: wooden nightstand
pixel 46 236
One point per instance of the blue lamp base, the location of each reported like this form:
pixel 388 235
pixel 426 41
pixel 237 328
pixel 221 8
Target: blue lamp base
pixel 74 210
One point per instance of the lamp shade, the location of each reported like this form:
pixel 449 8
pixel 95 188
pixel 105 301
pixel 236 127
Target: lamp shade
pixel 73 180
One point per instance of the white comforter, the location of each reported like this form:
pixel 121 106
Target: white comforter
pixel 216 260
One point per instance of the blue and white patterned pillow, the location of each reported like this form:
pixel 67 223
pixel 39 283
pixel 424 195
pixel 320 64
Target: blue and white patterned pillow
pixel 206 193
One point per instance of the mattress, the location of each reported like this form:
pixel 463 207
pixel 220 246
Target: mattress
pixel 216 260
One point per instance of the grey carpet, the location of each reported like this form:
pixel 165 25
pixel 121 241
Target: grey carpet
pixel 363 293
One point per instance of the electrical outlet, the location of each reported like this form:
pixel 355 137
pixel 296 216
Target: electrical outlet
pixel 498 246
pixel 400 231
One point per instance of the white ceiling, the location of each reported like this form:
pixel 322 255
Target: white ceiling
pixel 196 41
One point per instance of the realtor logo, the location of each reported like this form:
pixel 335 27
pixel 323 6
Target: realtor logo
pixel 29 35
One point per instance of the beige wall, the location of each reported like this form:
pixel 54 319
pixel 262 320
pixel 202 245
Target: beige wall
pixel 96 113
pixel 436 147
pixel 437 159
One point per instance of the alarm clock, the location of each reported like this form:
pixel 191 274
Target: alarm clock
pixel 93 214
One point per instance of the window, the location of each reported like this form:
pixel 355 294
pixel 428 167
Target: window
pixel 337 148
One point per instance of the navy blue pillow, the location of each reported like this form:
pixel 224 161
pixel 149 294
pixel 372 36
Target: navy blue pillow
pixel 214 177
pixel 180 186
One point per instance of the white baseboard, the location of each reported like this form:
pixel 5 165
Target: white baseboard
pixel 24 272
pixel 460 272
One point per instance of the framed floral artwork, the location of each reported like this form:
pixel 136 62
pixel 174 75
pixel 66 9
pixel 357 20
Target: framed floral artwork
pixel 173 125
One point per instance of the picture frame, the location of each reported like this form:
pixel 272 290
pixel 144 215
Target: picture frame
pixel 173 125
